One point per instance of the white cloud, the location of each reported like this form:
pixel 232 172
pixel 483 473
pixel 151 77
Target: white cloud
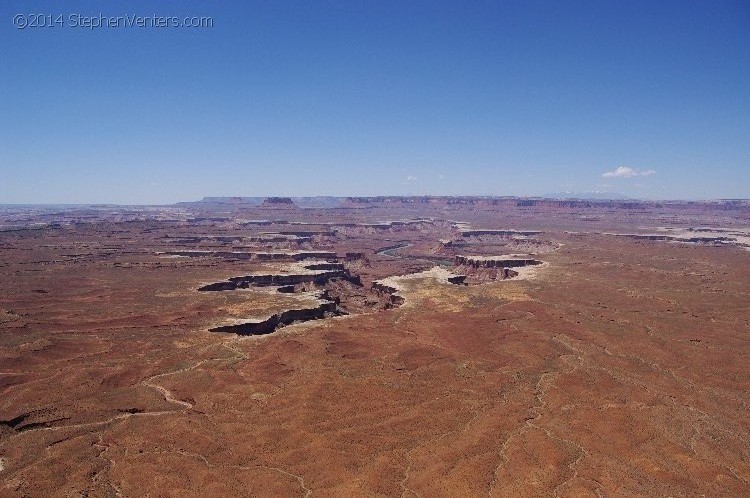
pixel 627 172
pixel 411 179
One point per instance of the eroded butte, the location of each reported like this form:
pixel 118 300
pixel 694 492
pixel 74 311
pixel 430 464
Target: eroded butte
pixel 376 347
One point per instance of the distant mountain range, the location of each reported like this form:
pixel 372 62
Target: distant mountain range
pixel 332 201
pixel 323 202
pixel 588 196
pixel 304 202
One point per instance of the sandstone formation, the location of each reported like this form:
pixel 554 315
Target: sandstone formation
pixel 319 273
pixel 473 233
pixel 340 356
pixel 325 309
pixel 278 203
pixel 511 261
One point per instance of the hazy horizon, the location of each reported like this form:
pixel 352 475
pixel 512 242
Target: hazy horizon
pixel 572 196
pixel 645 99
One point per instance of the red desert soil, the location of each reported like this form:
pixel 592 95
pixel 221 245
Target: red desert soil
pixel 619 367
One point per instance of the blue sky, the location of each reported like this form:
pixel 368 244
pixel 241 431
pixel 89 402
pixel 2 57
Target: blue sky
pixel 646 98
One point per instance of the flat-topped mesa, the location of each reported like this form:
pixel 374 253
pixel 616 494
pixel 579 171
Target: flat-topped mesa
pixel 259 223
pixel 272 237
pixel 295 255
pixel 507 261
pixel 390 226
pixel 259 256
pixel 324 309
pixel 308 233
pixel 475 232
pixel 194 239
pixel 393 286
pixel 675 238
pixel 318 273
pixel 234 255
pixel 278 203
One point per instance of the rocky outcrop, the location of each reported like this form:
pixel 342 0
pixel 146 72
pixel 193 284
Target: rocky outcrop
pixel 295 256
pixel 508 273
pixel 276 280
pixel 210 254
pixel 326 266
pixel 642 236
pixel 259 256
pixel 306 233
pixel 473 233
pixel 695 240
pixel 541 203
pixel 395 298
pixel 249 223
pixel 219 286
pixel 495 261
pixel 270 238
pixel 392 286
pixel 316 273
pixel 278 203
pixel 324 310
pixel 194 239
pixel 458 280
